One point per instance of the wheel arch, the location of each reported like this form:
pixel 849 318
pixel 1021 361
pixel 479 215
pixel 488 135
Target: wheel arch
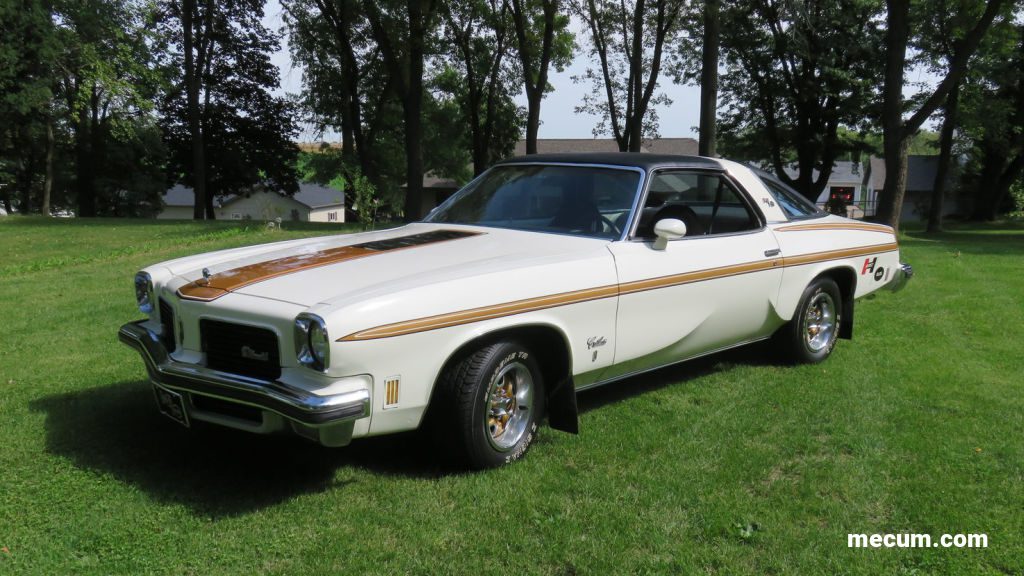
pixel 846 278
pixel 551 346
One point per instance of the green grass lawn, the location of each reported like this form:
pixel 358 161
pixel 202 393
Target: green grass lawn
pixel 728 465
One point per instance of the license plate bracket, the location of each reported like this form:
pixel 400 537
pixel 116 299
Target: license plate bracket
pixel 171 404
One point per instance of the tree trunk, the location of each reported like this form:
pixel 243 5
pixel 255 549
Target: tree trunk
pixel 192 90
pixel 534 87
pixel 894 143
pixel 890 204
pixel 44 209
pixel 532 120
pixel 937 207
pixel 84 167
pixel 709 81
pixel 26 173
pixel 208 197
pixel 413 107
pixel 896 132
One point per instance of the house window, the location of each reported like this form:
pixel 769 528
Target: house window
pixel 844 193
pixel 332 216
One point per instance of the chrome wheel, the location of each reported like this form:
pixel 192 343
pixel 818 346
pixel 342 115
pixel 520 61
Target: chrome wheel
pixel 508 402
pixel 820 322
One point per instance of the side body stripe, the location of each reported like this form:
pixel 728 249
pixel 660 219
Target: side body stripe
pixel 565 298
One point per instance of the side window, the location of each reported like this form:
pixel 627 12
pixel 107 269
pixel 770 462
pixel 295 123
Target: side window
pixel 792 203
pixel 707 203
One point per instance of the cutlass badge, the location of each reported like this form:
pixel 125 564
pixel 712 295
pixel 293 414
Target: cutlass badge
pixel 251 354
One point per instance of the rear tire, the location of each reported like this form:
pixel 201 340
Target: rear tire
pixel 492 402
pixel 812 333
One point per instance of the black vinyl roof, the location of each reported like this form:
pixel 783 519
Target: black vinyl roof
pixel 642 160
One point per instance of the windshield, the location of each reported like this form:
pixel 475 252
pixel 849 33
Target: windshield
pixel 578 200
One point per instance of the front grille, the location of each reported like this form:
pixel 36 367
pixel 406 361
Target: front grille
pixel 167 336
pixel 240 349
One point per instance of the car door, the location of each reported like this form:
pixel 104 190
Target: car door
pixel 711 289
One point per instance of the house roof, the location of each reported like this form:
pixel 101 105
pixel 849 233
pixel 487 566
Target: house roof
pixel 317 196
pixel 309 194
pixel 432 180
pixel 680 146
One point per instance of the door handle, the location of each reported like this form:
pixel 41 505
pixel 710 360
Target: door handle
pixel 772 252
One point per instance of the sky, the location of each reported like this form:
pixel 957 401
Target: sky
pixel 559 118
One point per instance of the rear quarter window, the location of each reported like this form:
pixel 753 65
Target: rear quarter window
pixel 791 202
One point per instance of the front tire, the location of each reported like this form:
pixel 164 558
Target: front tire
pixel 812 333
pixel 494 402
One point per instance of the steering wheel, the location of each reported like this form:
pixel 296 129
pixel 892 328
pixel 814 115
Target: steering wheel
pixel 608 222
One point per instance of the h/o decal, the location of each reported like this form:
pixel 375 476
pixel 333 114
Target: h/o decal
pixel 869 266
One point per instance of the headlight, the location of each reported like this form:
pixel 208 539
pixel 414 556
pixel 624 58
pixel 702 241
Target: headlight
pixel 312 343
pixel 144 292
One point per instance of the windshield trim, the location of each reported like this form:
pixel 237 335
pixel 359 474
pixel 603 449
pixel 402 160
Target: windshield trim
pixel 641 183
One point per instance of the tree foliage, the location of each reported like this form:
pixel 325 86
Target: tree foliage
pixel 797 73
pixel 477 72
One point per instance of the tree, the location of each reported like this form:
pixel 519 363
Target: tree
pixel 222 102
pixel 709 79
pixel 628 41
pixel 401 31
pixel 28 50
pixel 992 117
pixel 897 131
pixel 106 84
pixel 542 40
pixel 475 71
pixel 329 39
pixel 798 73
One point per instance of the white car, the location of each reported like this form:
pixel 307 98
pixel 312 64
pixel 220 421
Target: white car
pixel 546 275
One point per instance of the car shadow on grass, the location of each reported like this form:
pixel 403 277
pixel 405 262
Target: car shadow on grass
pixel 756 354
pixel 218 472
pixel 215 471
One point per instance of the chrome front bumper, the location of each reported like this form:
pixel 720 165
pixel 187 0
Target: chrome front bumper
pixel 900 278
pixel 328 420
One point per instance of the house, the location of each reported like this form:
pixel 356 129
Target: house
pixel 917 200
pixel 854 182
pixel 312 203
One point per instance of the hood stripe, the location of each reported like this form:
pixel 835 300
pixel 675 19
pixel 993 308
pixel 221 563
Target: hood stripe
pixel 217 285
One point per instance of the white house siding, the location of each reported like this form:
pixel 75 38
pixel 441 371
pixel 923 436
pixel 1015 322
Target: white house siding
pixel 324 214
pixel 263 206
pixel 175 213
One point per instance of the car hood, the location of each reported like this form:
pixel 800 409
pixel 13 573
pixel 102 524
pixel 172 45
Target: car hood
pixel 357 266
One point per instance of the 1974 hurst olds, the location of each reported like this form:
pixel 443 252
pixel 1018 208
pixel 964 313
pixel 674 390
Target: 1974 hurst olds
pixel 546 275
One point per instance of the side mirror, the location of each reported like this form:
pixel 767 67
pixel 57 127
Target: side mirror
pixel 668 229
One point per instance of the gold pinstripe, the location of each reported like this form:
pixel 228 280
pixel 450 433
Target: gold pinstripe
pixel 863 226
pixel 471 315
